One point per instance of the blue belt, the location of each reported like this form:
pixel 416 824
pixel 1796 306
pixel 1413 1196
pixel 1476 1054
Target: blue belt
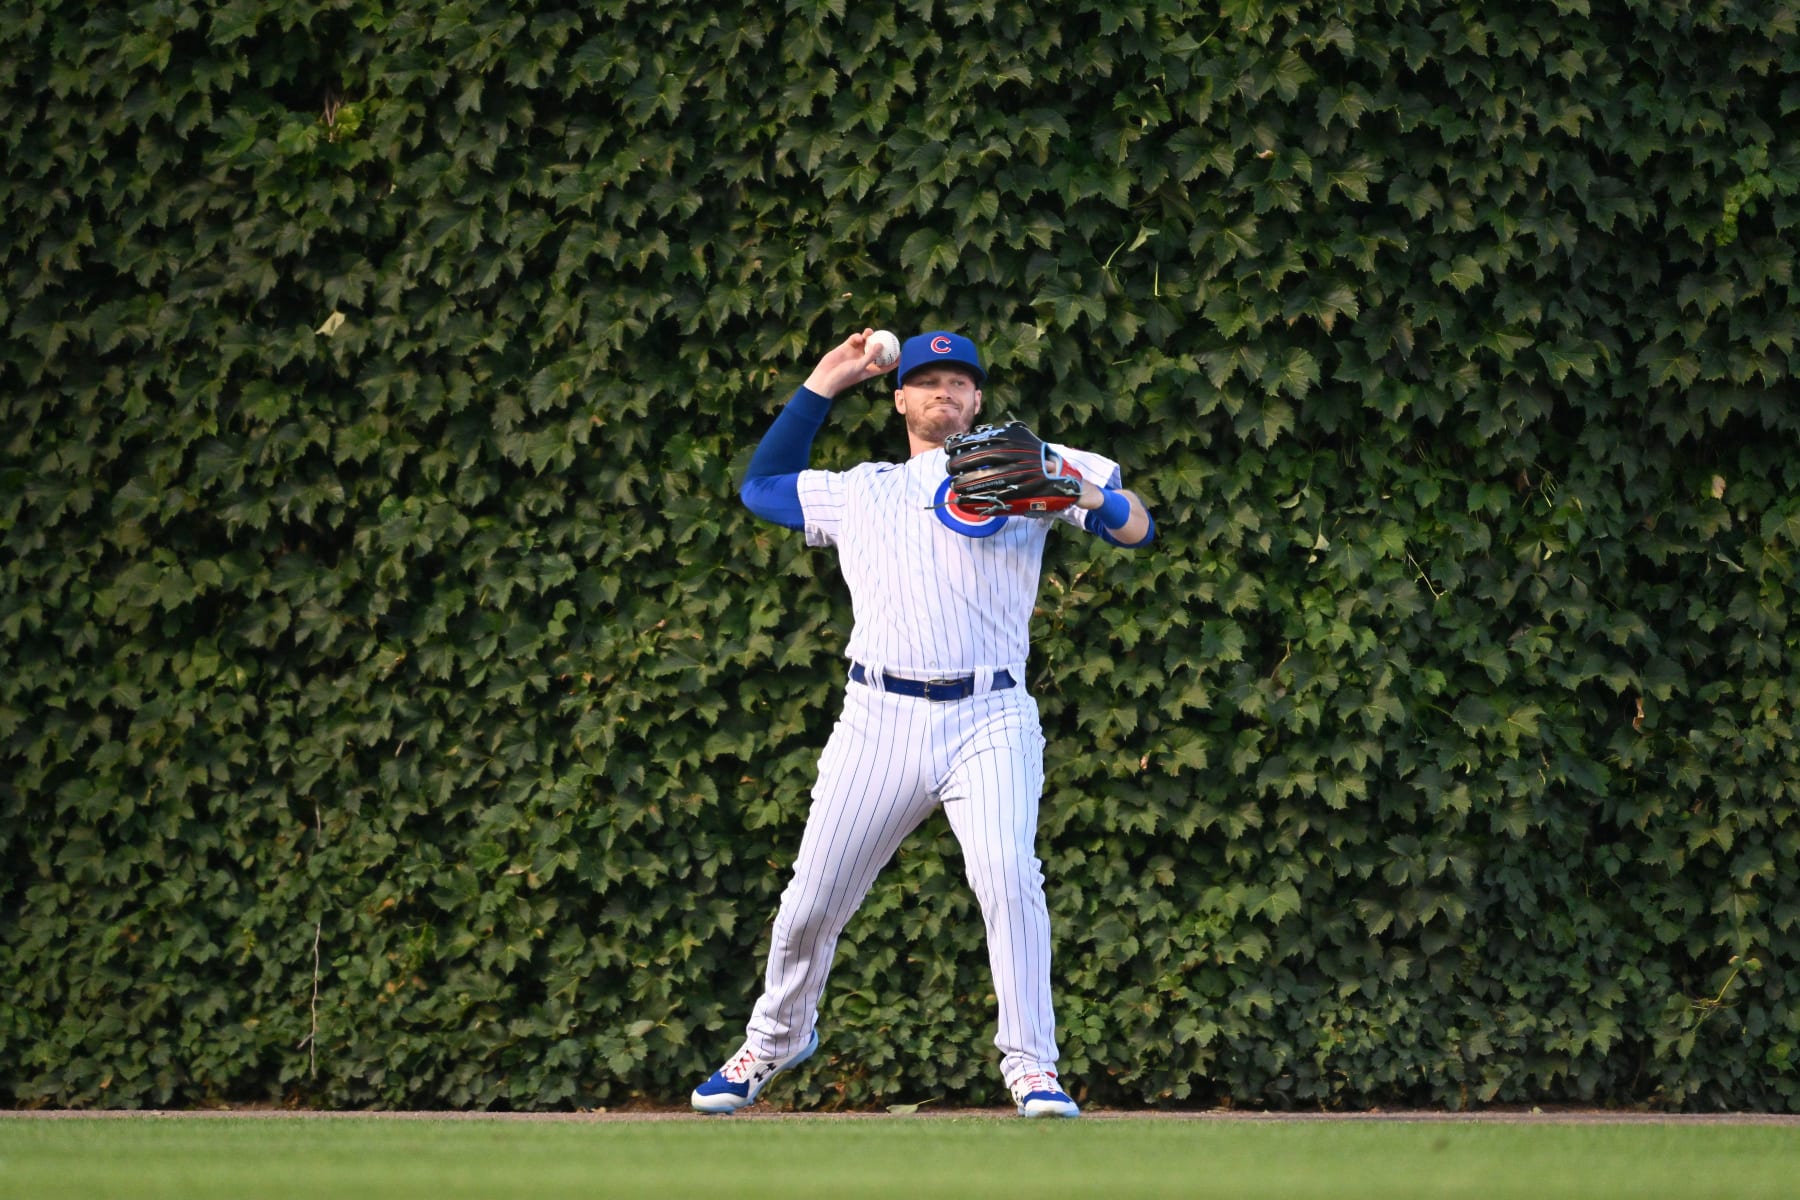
pixel 958 688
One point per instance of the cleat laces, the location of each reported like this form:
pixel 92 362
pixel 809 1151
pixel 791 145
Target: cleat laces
pixel 741 1068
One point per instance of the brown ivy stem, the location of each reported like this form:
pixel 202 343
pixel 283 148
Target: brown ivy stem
pixel 1425 579
pixel 312 1036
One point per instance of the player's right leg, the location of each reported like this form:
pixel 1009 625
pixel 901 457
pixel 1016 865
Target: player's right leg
pixel 871 792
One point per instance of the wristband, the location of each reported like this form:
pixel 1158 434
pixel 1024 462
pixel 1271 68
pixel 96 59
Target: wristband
pixel 1114 509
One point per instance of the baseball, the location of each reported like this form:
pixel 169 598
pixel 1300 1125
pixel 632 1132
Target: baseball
pixel 885 347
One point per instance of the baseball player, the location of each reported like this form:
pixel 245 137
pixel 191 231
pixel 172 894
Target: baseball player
pixel 942 555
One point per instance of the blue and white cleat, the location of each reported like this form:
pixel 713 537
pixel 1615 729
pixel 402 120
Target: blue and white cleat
pixel 1039 1095
pixel 739 1082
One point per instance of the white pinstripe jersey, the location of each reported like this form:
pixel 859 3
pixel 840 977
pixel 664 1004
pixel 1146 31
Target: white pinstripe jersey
pixel 928 600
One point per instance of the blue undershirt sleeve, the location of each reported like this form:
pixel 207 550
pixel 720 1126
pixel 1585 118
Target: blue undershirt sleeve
pixel 771 483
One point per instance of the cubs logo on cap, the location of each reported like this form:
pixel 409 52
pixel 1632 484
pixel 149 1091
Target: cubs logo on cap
pixel 937 348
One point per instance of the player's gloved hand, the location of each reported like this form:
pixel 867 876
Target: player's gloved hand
pixel 1009 469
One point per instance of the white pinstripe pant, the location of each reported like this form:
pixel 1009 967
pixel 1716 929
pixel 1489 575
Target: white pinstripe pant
pixel 889 761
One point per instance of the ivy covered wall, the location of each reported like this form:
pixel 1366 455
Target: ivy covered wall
pixel 397 708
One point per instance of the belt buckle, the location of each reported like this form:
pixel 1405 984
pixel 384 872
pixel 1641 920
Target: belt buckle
pixel 958 682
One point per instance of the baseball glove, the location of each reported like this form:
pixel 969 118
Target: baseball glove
pixel 1008 469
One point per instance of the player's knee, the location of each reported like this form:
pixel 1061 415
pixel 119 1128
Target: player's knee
pixel 808 909
pixel 1008 879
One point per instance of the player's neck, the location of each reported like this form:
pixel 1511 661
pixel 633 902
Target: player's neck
pixel 919 446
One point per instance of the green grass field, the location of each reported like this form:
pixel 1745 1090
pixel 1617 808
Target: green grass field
pixel 198 1157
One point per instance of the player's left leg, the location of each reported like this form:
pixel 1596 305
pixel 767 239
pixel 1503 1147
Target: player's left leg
pixel 991 800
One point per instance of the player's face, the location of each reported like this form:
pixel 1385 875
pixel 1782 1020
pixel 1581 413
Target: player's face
pixel 937 402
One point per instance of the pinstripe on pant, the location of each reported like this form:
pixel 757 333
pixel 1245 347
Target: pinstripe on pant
pixel 889 761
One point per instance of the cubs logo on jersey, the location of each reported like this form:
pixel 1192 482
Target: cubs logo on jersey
pixel 961 520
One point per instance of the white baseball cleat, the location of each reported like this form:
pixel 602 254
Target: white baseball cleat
pixel 1039 1095
pixel 738 1083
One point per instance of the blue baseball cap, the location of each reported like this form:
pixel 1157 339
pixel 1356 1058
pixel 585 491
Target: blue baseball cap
pixel 937 348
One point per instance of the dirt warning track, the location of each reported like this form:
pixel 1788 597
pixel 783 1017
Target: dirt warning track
pixel 1532 1116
